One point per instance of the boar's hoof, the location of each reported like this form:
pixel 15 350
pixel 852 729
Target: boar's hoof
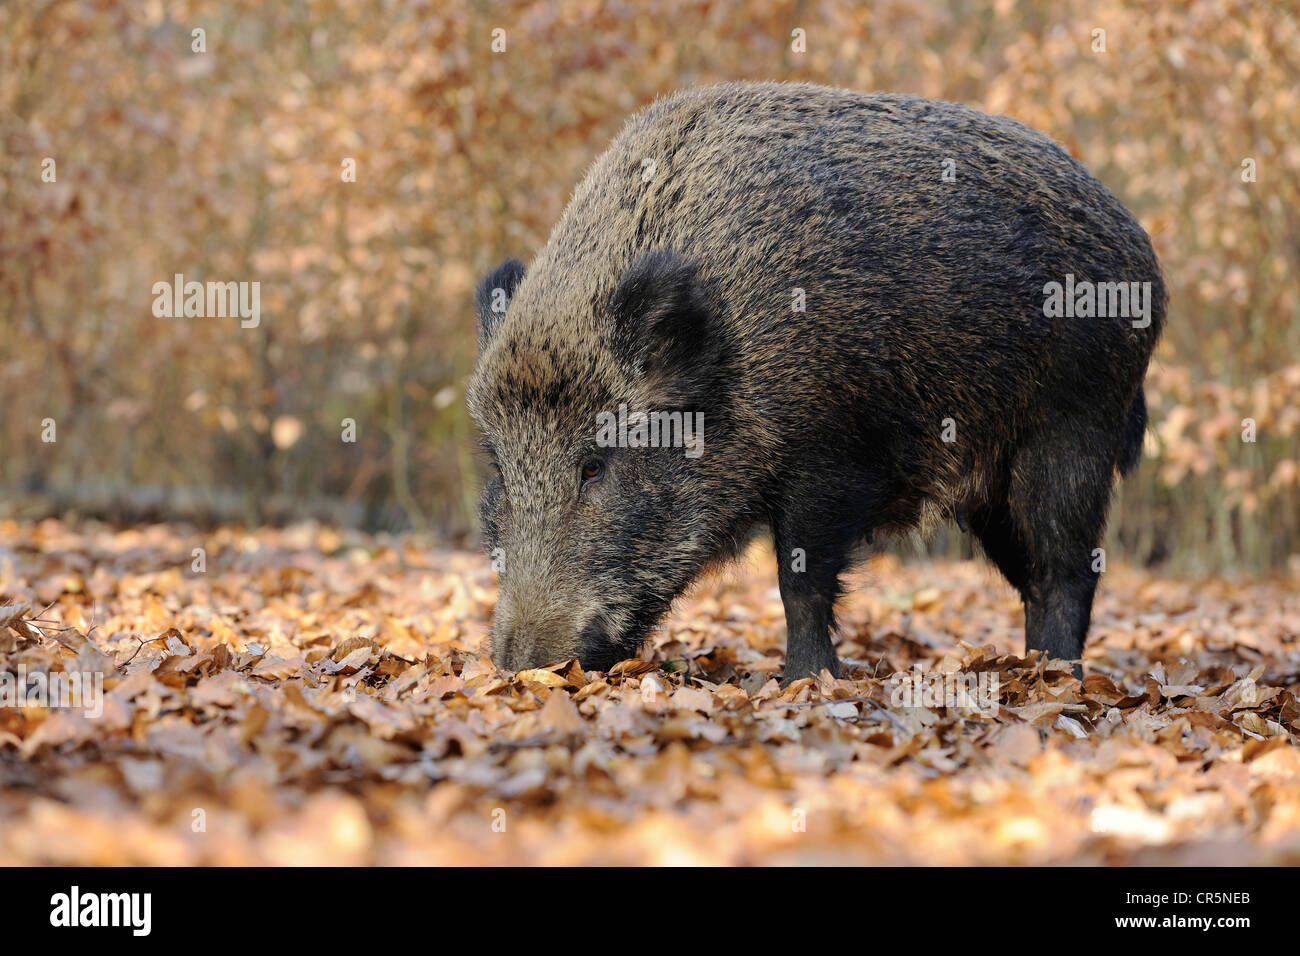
pixel 797 667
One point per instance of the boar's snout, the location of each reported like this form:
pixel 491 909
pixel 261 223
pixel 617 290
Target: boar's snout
pixel 532 634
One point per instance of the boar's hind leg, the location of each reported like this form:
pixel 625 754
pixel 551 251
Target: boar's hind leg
pixel 811 552
pixel 1059 491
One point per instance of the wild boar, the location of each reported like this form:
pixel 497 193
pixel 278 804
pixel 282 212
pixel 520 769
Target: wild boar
pixel 880 311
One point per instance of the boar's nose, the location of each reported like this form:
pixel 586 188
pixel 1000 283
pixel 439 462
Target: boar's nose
pixel 523 633
pixel 520 646
pixel 502 641
pixel 513 648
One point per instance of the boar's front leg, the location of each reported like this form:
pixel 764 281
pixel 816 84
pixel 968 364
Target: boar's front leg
pixel 811 551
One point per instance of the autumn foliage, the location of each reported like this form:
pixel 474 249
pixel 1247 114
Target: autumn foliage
pixel 322 697
pixel 228 165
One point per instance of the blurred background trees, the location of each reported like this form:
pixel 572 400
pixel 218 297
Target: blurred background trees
pixel 227 165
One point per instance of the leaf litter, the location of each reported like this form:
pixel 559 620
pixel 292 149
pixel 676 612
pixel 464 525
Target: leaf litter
pixel 317 696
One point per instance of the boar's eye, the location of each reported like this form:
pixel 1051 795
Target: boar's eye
pixel 592 470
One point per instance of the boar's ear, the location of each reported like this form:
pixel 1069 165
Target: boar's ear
pixel 662 322
pixel 494 294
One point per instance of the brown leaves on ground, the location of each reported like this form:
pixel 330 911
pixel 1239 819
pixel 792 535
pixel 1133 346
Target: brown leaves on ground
pixel 317 697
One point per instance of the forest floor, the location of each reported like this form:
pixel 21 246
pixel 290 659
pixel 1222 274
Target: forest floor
pixel 313 696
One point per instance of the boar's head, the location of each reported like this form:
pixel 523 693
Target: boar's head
pixel 592 543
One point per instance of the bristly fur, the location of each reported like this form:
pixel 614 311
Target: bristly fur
pixel 672 284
